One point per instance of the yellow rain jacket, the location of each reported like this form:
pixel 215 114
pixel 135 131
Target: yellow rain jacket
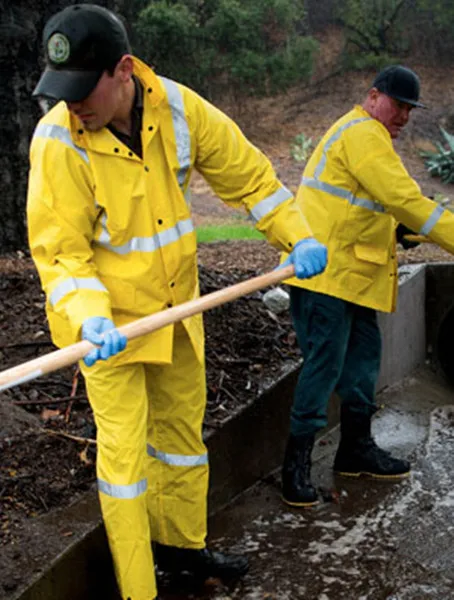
pixel 111 234
pixel 353 192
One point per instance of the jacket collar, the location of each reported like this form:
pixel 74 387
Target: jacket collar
pixel 103 140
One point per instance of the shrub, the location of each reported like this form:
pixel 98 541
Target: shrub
pixel 441 163
pixel 252 47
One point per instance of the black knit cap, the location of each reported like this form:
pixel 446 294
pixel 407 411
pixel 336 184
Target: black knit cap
pixel 80 43
pixel 400 83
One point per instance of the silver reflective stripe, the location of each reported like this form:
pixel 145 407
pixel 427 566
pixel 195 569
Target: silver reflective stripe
pixel 178 460
pixel 104 238
pixel 316 184
pixel 334 190
pixel 336 135
pixel 432 220
pixel 148 244
pixel 56 132
pixel 188 196
pixel 125 492
pixel 180 126
pixel 265 206
pixel 73 284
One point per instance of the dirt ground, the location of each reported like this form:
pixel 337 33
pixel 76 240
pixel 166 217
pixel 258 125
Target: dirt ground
pixel 47 430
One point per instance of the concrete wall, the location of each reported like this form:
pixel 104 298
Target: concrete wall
pixel 404 331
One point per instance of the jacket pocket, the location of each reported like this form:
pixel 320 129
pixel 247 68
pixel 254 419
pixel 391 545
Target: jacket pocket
pixel 371 254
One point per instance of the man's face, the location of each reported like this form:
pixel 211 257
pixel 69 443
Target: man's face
pixel 105 103
pixel 391 113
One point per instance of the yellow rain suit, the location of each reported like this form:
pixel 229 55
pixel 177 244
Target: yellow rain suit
pixel 353 192
pixel 111 235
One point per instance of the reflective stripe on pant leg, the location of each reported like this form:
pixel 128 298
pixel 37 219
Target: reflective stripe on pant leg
pixel 177 456
pixel 119 402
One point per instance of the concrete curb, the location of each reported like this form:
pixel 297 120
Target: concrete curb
pixel 244 450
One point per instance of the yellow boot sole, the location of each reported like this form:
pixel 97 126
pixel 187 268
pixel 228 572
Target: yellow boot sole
pixel 373 475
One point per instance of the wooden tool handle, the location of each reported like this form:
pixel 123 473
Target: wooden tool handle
pixel 420 239
pixel 71 354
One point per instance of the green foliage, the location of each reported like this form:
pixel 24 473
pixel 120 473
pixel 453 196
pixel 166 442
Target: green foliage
pixel 292 64
pixel 253 47
pixel 441 163
pixel 374 27
pixel 163 26
pixel 301 147
pixel 366 60
pixel 441 12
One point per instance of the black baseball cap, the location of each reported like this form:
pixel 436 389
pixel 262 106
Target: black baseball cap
pixel 400 83
pixel 80 43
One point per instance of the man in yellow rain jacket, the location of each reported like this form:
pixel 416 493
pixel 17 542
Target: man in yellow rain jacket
pixel 111 234
pixel 354 191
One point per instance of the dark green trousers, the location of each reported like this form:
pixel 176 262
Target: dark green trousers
pixel 341 347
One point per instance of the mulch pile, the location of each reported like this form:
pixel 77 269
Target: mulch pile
pixel 42 466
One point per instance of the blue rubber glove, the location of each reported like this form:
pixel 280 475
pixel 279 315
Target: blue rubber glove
pixel 102 332
pixel 309 258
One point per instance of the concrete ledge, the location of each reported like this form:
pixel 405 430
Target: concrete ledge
pixel 404 331
pixel 245 449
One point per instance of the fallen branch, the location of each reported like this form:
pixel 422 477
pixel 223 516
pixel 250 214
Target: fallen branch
pixel 68 436
pixel 73 394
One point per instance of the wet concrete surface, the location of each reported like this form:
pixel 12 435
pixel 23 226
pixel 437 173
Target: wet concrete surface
pixel 367 539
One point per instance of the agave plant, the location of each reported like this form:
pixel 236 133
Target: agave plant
pixel 441 163
pixel 301 147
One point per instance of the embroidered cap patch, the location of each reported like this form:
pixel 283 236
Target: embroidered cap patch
pixel 58 48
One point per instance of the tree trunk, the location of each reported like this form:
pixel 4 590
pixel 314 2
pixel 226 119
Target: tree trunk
pixel 21 25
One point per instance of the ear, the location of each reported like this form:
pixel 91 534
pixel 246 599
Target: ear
pixel 373 94
pixel 125 67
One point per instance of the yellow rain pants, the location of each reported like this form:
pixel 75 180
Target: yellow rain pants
pixel 152 464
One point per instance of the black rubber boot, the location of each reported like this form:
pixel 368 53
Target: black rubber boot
pixel 202 564
pixel 297 489
pixel 358 454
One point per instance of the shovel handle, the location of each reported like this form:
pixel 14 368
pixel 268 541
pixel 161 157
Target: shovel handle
pixel 420 239
pixel 75 352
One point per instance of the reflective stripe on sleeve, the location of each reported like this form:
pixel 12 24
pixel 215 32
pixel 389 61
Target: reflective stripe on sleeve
pixel 432 220
pixel 265 206
pixel 73 284
pixel 56 132
pixel 178 460
pixel 124 492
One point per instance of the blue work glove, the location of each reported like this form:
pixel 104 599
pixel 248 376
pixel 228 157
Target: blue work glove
pixel 309 258
pixel 102 332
